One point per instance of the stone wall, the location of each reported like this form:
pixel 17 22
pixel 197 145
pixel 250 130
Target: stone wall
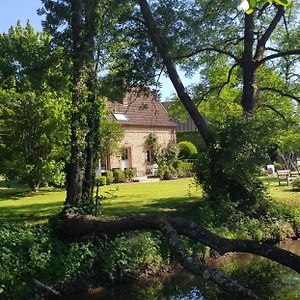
pixel 135 140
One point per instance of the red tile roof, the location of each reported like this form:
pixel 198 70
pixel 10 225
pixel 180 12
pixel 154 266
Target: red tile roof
pixel 141 109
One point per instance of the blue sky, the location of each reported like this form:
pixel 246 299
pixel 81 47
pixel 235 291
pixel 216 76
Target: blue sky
pixel 13 10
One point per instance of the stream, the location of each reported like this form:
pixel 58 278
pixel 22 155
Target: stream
pixel 266 278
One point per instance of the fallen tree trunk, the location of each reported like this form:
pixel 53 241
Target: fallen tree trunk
pixel 78 226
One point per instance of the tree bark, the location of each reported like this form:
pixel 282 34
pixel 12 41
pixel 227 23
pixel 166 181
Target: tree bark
pixel 74 168
pixel 248 66
pixel 92 109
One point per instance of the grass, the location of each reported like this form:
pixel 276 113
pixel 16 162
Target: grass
pixel 283 194
pixel 175 198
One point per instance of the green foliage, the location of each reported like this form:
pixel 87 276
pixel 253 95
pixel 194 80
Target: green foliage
pixel 193 137
pixel 129 173
pixel 278 166
pixel 131 254
pixel 167 155
pixel 109 177
pixel 187 150
pixel 34 100
pixel 228 170
pixel 166 172
pixel 111 134
pixel 38 122
pixel 102 180
pixel 29 253
pixel 119 176
pixel 184 169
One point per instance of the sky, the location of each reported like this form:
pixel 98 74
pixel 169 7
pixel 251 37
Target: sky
pixel 23 10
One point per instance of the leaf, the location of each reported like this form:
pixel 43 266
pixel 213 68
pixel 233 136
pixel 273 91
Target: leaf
pixel 283 2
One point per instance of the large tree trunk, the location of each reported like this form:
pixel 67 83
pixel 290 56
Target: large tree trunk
pixel 92 111
pixel 75 166
pixel 81 166
pixel 77 227
pixel 248 66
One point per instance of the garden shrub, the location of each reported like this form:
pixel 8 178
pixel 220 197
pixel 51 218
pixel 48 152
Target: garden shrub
pixel 166 172
pixel 228 170
pixel 119 176
pixel 131 254
pixel 278 166
pixel 109 177
pixel 184 169
pixel 129 173
pixel 187 150
pixel 101 180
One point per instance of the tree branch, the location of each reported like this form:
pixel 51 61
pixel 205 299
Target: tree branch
pixel 278 55
pixel 78 226
pixel 161 44
pixel 214 49
pixel 275 110
pixel 280 92
pixel 261 45
pixel 228 78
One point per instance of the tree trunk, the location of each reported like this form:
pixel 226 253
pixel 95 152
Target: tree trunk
pixel 248 66
pixel 75 166
pixel 92 112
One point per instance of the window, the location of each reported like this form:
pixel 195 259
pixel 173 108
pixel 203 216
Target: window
pixel 120 116
pixel 124 154
pixel 149 160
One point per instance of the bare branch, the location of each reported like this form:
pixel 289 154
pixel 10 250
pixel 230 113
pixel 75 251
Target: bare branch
pixel 214 49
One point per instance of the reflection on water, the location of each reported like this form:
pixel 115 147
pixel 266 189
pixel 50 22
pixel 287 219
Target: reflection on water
pixel 268 279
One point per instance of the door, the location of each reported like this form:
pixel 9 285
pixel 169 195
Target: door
pixel 125 162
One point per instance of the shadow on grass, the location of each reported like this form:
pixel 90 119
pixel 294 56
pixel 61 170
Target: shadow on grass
pixel 175 207
pixel 30 212
pixel 15 193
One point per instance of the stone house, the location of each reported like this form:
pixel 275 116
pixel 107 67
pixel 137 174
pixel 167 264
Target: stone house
pixel 140 114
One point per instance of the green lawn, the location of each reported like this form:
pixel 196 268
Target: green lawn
pixel 176 198
pixel 284 194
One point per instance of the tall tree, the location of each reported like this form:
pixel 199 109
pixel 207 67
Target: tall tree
pixel 33 106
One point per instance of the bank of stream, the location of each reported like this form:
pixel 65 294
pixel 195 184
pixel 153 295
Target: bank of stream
pixel 268 279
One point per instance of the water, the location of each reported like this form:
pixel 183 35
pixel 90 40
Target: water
pixel 268 279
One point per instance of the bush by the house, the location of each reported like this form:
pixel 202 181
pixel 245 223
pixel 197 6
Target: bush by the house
pixel 166 172
pixel 119 176
pixel 278 166
pixel 184 169
pixel 187 150
pixel 101 179
pixel 129 173
pixel 109 177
